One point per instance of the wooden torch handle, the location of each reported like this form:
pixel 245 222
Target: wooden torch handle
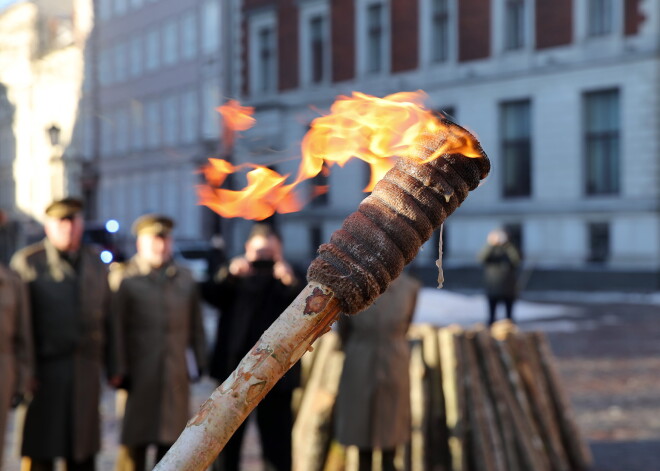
pixel 350 272
pixel 309 316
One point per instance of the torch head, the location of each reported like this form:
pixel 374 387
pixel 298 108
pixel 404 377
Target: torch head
pixel 390 226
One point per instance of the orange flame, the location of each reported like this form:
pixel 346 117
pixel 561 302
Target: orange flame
pixel 264 194
pixel 375 130
pixel 235 116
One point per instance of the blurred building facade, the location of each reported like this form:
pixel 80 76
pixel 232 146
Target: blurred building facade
pixel 563 96
pixel 156 76
pixel 41 74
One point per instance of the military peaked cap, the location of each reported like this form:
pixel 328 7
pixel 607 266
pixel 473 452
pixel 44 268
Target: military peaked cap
pixel 155 224
pixel 64 208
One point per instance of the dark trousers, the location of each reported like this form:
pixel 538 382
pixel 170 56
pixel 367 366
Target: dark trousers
pixel 366 458
pixel 49 465
pixel 134 458
pixel 275 422
pixel 492 307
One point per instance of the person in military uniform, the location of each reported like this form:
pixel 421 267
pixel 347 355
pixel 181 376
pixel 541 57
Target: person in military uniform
pixel 15 346
pixel 157 305
pixel 68 292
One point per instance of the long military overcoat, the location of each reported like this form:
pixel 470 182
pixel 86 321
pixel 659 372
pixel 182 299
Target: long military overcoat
pixel 15 343
pixel 373 402
pixel 500 264
pixel 69 305
pixel 160 318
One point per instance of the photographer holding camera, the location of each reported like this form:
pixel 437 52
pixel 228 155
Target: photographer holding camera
pixel 251 293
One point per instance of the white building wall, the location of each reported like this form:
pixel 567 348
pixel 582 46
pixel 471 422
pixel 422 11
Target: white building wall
pixel 555 218
pixel 43 86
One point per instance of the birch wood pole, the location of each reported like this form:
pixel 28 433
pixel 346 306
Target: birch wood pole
pixel 284 342
pixel 350 272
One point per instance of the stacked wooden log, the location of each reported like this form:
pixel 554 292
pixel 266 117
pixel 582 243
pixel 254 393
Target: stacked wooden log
pixel 482 400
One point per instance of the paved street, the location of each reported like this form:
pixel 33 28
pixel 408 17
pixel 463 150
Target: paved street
pixel 608 355
pixel 611 370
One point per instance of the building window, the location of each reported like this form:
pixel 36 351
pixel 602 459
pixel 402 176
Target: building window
pixel 314 43
pixel 120 62
pixel 87 135
pixel 514 232
pixel 137 125
pixel 317 48
pixel 375 38
pixel 515 24
pixel 104 8
pixel 440 30
pixel 120 7
pixel 6 133
pixel 136 56
pixel 170 42
pixel 315 240
pixel 107 137
pixel 153 124
pixel 152 61
pixel 210 27
pixel 121 131
pixel 266 61
pixel 210 117
pixel 170 125
pixel 189 118
pixel 600 17
pixel 516 148
pixel 188 36
pixel 599 242
pixel 105 70
pixel 602 128
pixel 262 45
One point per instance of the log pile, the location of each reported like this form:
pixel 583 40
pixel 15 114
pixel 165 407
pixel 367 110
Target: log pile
pixel 482 400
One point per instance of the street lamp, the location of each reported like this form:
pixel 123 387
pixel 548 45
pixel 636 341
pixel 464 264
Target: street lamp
pixel 57 166
pixel 54 134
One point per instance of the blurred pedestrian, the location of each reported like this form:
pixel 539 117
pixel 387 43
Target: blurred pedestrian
pixel 15 346
pixel 251 293
pixel 161 342
pixel 500 260
pixel 373 401
pixel 68 292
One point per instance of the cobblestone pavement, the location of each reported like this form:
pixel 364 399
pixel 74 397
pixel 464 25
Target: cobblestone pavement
pixel 610 366
pixel 608 356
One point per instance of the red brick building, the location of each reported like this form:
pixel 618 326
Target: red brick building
pixel 561 93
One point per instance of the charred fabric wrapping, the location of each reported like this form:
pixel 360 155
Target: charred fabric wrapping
pixel 391 224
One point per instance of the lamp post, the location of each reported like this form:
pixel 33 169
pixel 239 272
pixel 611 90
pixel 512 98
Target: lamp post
pixel 56 164
pixel 54 134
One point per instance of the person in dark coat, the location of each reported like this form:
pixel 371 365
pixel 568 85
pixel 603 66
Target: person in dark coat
pixel 251 293
pixel 68 293
pixel 15 346
pixel 157 306
pixel 500 260
pixel 373 400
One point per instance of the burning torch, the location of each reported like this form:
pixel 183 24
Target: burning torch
pixel 440 162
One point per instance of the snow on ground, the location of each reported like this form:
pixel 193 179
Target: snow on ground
pixel 442 307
